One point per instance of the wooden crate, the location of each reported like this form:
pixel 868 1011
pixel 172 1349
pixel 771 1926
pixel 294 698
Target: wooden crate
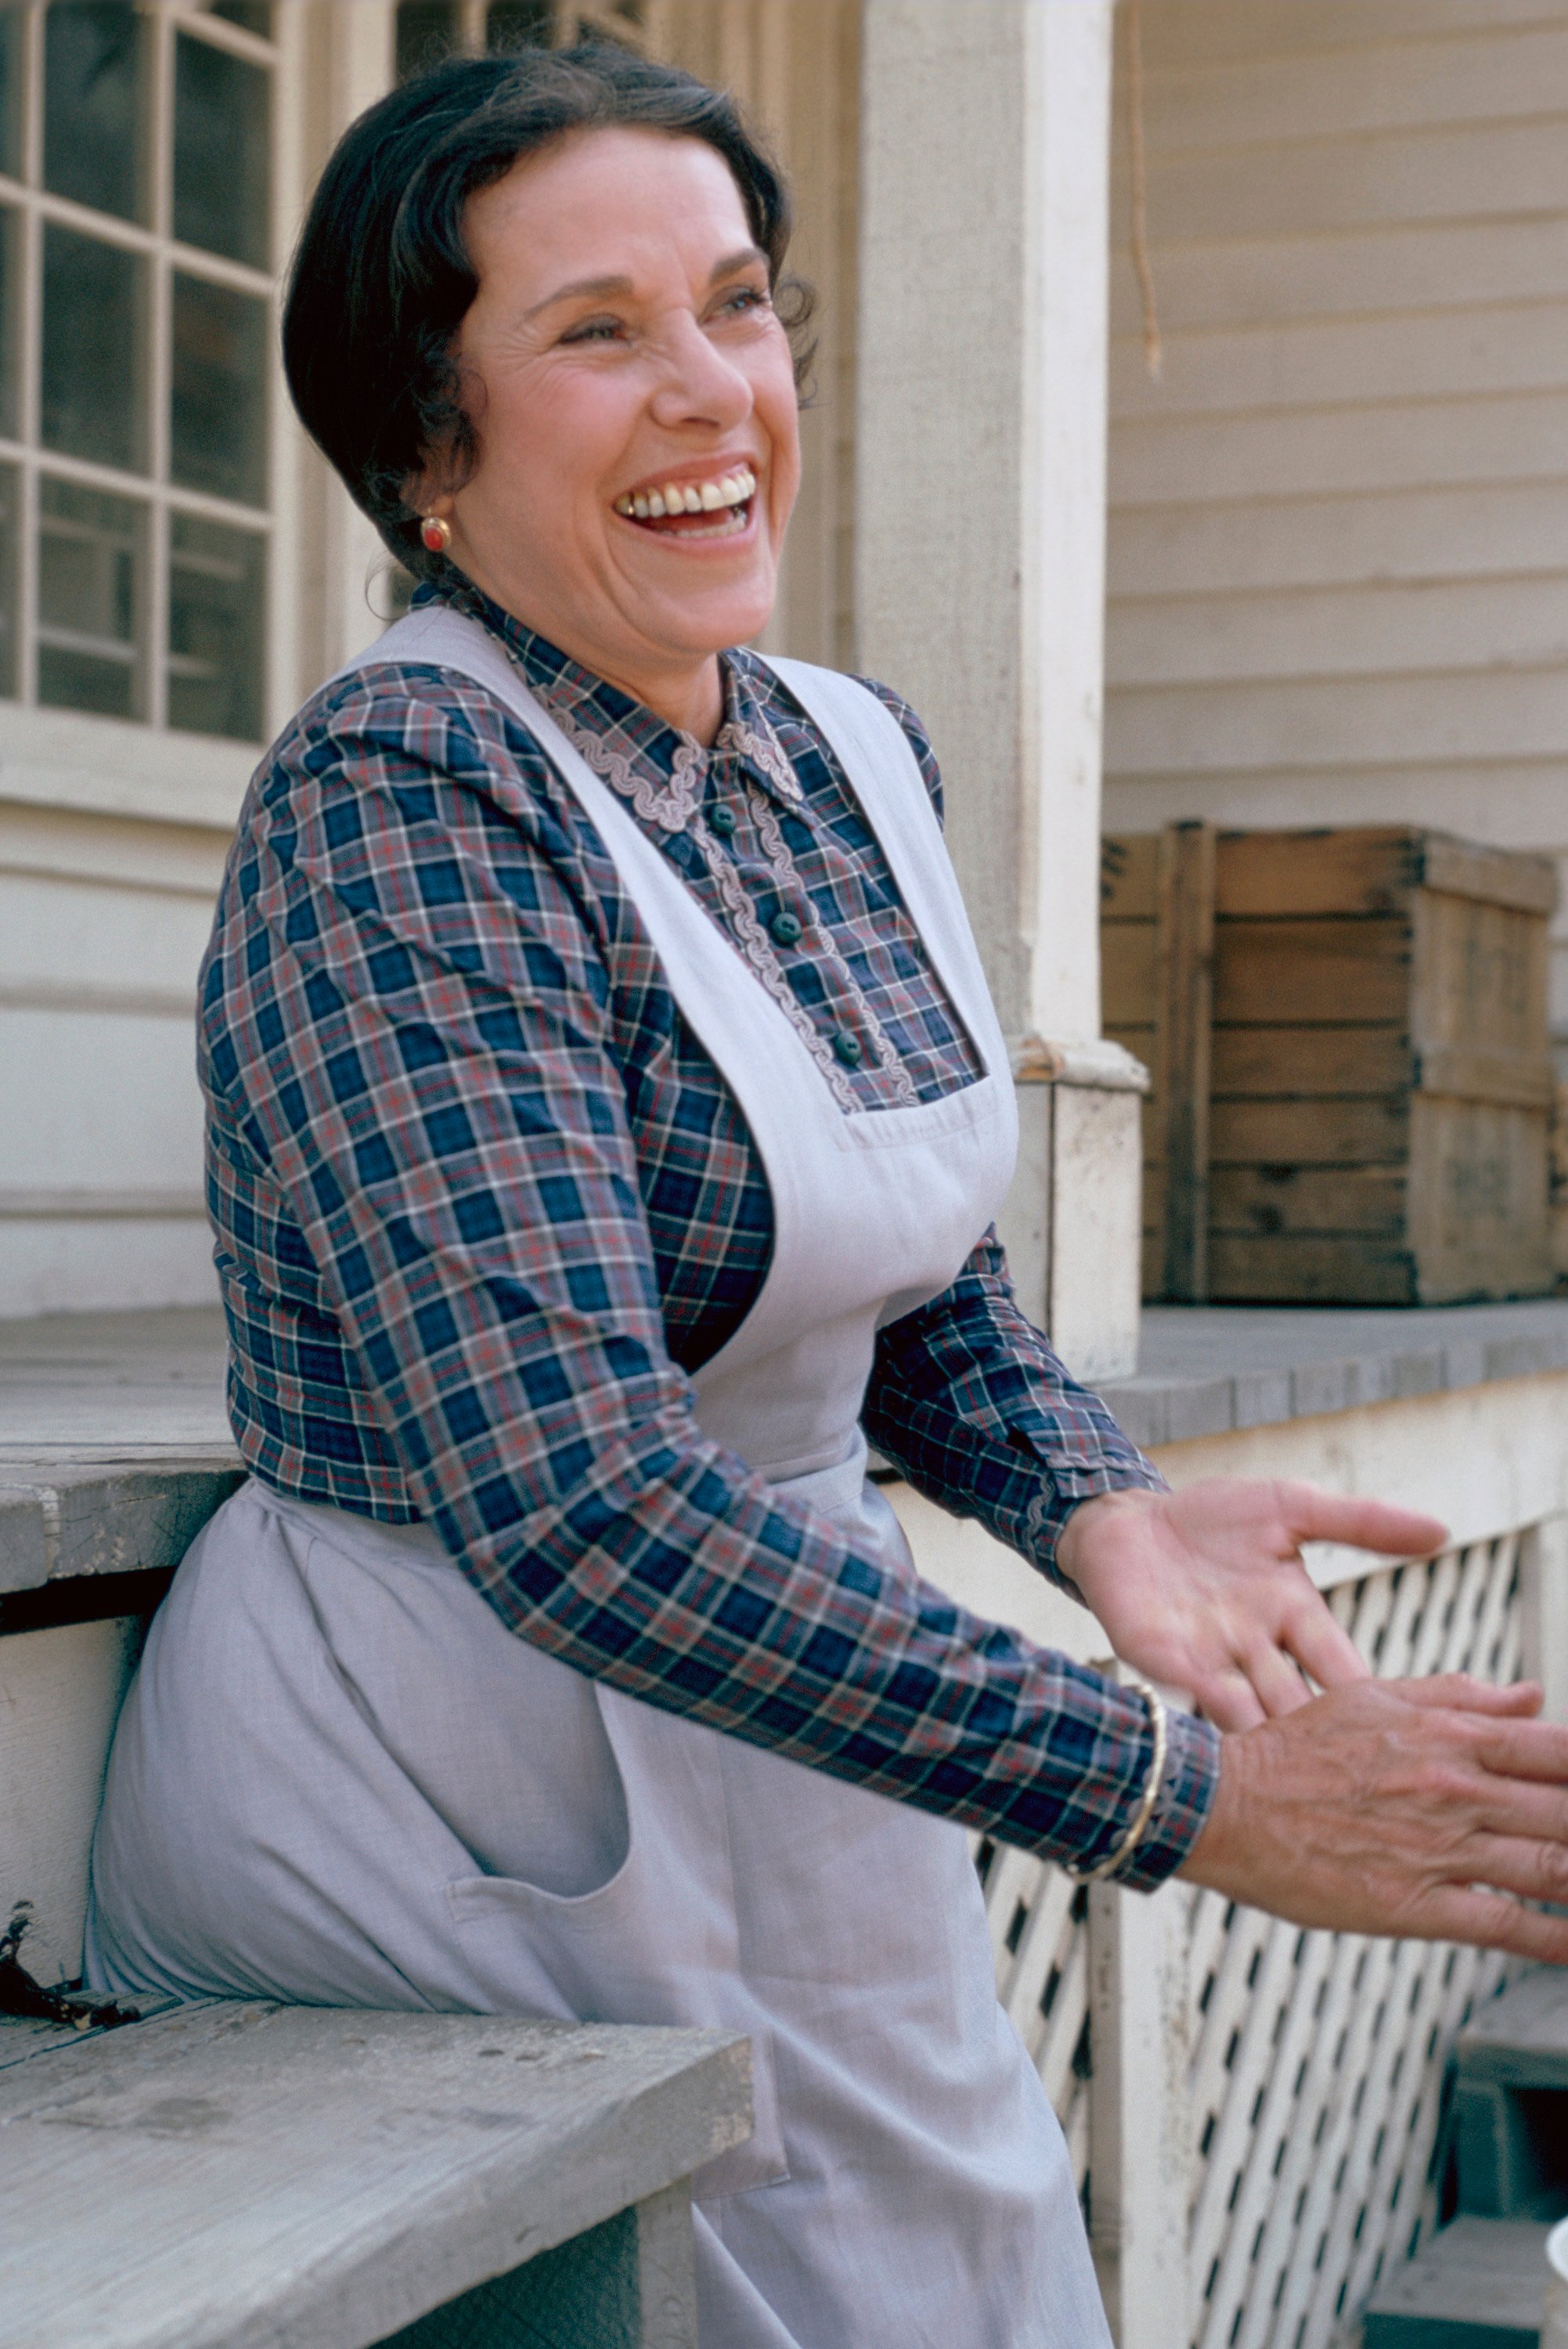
pixel 1352 1078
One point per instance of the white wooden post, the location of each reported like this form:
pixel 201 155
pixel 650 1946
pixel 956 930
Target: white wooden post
pixel 980 536
pixel 1544 1595
pixel 1141 2154
pixel 344 59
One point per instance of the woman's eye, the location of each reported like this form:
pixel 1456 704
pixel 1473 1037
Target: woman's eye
pixel 743 298
pixel 594 330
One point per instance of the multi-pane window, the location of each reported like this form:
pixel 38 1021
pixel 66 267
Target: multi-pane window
pixel 136 249
pixel 427 29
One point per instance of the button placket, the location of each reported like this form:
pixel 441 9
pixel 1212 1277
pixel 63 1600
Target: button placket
pixel 693 804
pixel 787 873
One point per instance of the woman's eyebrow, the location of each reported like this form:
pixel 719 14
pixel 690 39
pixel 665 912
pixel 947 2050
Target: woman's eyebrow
pixel 734 262
pixel 580 286
pixel 586 287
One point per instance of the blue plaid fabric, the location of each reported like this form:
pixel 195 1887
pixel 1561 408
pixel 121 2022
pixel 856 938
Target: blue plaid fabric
pixel 482 1203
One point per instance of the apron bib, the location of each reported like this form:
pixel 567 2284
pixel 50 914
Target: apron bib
pixel 338 1777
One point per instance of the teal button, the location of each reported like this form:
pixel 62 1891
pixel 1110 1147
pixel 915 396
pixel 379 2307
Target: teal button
pixel 721 819
pixel 848 1048
pixel 785 930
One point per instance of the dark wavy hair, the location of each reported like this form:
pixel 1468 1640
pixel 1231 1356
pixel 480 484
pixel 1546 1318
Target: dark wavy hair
pixel 382 279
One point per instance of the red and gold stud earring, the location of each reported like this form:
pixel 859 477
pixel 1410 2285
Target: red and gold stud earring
pixel 436 534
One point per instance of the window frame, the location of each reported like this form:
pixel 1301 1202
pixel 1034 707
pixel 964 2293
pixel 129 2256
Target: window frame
pixel 153 491
pixel 571 19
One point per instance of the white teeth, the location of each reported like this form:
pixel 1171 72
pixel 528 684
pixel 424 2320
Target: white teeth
pixel 689 498
pixel 727 525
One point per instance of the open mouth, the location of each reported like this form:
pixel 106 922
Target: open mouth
pixel 719 508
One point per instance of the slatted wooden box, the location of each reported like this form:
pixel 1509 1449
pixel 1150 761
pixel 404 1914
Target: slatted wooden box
pixel 1352 1078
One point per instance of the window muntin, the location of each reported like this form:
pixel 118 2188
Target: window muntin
pixel 135 359
pixel 216 597
pixel 11 233
pixel 251 15
pixel 10 550
pixel 92 587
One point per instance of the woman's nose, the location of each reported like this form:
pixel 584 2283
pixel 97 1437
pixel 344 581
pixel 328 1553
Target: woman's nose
pixel 700 386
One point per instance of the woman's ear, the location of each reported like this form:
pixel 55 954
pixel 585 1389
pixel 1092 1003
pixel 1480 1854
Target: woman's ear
pixel 430 491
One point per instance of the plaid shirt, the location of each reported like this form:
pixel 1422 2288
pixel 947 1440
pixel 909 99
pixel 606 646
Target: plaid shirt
pixel 483 1202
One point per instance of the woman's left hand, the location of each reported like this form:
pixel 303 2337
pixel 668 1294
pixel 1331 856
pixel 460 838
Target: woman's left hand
pixel 1205 1590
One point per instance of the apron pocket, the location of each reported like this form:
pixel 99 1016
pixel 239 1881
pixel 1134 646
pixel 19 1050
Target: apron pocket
pixel 608 1956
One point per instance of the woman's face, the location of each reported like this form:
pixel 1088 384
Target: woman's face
pixel 623 349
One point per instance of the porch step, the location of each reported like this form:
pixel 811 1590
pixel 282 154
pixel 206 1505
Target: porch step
pixel 1511 2103
pixel 245 2176
pixel 1478 2285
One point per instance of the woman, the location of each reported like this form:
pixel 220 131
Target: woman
pixel 606 1120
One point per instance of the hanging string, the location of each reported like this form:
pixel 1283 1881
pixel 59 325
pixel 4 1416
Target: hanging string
pixel 1153 351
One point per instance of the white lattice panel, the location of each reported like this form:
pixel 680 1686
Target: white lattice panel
pixel 1041 1946
pixel 1318 2058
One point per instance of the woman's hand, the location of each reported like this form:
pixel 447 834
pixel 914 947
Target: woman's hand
pixel 1391 1807
pixel 1205 1590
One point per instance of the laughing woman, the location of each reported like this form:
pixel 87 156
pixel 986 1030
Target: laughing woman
pixel 606 1122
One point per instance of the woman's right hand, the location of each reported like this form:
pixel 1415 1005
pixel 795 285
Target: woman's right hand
pixel 1433 1808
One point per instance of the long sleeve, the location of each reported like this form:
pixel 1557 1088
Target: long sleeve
pixel 968 1400
pixel 411 1018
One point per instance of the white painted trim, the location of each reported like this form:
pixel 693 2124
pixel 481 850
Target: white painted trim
pixel 1543 1591
pixel 1140 2013
pixel 18 1205
pixel 81 995
pixel 110 766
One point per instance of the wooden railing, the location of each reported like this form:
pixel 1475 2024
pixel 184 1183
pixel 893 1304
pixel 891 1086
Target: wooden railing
pixel 1255 2112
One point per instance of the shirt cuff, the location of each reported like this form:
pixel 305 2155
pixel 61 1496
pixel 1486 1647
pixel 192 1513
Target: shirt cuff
pixel 1060 1493
pixel 1187 1787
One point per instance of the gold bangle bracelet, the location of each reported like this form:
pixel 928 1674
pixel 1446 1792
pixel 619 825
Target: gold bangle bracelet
pixel 1138 1825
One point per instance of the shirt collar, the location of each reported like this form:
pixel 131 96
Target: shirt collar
pixel 563 684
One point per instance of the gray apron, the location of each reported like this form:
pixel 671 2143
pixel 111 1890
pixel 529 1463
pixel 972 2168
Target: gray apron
pixel 338 1777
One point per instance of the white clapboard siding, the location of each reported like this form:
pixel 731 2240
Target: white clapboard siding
pixel 103 920
pixel 1245 727
pixel 108 1101
pixel 1338 557
pixel 1432 537
pixel 1304 95
pixel 64 936
pixel 60 1691
pixel 1379 273
pixel 1486 172
pixel 1224 32
pixel 1503 348
pixel 1414 445
pixel 1450 623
